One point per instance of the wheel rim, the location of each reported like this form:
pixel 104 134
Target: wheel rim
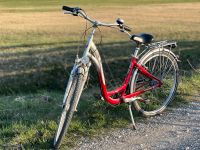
pixel 163 67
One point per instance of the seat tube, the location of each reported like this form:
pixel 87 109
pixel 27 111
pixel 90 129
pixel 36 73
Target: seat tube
pixel 136 51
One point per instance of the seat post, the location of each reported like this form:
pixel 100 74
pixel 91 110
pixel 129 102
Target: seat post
pixel 136 50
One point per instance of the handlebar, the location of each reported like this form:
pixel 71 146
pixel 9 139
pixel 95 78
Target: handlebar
pixel 76 11
pixel 68 8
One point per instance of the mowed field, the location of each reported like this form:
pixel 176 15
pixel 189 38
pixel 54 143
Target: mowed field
pixel 38 44
pixel 33 42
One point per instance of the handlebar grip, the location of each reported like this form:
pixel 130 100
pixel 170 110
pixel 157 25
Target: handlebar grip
pixel 68 8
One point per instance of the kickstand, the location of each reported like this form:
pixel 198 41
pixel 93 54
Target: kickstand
pixel 131 114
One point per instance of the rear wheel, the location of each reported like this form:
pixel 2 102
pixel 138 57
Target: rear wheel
pixel 163 65
pixel 69 108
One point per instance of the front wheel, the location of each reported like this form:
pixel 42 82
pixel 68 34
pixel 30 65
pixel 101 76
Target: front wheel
pixel 162 64
pixel 69 108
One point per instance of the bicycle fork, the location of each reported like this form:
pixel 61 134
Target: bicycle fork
pixel 84 71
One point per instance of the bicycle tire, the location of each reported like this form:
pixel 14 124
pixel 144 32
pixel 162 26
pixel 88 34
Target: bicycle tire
pixel 165 56
pixel 67 113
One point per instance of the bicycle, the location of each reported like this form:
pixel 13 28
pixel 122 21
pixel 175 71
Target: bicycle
pixel 152 73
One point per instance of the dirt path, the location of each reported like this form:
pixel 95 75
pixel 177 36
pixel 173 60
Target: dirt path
pixel 178 128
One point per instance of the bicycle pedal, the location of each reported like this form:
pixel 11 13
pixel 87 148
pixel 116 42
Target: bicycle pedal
pixel 98 96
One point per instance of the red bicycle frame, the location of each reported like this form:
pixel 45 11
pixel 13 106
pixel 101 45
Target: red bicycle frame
pixel 122 90
pixel 92 53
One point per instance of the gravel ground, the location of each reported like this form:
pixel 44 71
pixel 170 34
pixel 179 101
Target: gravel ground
pixel 178 128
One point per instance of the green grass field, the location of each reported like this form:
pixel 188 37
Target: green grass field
pixel 38 44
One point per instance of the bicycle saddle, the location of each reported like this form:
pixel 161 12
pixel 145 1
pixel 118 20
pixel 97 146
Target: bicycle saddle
pixel 142 38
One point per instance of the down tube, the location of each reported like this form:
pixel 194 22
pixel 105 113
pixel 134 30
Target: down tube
pixel 102 80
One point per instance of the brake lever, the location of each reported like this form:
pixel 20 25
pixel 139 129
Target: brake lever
pixel 127 28
pixel 124 28
pixel 75 12
pixel 66 12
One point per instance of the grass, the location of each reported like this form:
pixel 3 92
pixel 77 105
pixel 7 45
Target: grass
pixel 37 48
pixel 23 122
pixel 31 120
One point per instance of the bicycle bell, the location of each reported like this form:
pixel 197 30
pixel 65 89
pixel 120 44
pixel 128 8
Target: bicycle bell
pixel 120 21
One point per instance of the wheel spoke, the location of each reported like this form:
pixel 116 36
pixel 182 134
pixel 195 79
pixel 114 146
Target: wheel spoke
pixel 170 68
pixel 154 66
pixel 162 65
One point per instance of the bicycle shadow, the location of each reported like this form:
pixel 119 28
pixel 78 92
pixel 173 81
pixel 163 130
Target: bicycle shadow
pixel 47 65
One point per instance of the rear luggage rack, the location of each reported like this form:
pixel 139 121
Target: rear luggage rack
pixel 161 44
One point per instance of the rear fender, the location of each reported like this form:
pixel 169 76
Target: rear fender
pixel 164 49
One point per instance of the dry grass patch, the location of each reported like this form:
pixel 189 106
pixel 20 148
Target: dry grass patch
pixel 179 21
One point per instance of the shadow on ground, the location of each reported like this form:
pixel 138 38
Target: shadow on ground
pixel 28 68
